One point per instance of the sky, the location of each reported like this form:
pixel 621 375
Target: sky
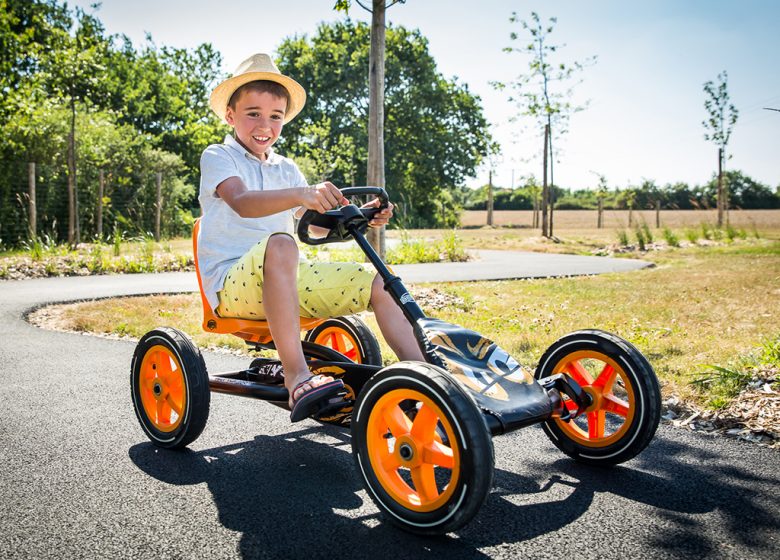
pixel 645 92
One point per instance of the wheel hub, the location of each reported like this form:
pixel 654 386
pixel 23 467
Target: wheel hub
pixel 407 452
pixel 157 389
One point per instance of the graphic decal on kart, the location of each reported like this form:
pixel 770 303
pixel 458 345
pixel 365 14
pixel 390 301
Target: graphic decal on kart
pixel 344 414
pixel 476 361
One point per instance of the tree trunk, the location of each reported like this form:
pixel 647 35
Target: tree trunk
pixel 552 178
pixel 376 114
pixel 32 211
pixel 99 207
pixel 720 200
pixel 490 199
pixel 545 190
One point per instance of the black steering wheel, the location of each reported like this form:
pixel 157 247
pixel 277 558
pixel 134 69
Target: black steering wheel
pixel 340 222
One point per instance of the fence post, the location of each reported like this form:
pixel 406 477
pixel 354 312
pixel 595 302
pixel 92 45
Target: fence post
pixel 600 219
pixel 490 199
pixel 101 188
pixel 657 214
pixel 158 207
pixel 32 214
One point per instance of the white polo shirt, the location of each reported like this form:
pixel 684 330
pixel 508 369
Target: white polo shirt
pixel 224 235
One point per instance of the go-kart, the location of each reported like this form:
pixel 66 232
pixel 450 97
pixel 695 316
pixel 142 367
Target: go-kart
pixel 421 431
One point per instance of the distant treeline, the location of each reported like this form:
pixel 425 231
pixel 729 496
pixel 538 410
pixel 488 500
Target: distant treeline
pixel 743 192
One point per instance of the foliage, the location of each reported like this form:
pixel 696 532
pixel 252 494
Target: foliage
pixel 134 112
pixel 744 192
pixel 722 115
pixel 435 132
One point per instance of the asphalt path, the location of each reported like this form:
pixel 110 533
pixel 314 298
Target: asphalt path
pixel 78 478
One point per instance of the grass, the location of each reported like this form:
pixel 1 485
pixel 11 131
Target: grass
pixel 697 310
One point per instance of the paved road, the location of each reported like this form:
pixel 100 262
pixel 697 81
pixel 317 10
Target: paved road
pixel 78 478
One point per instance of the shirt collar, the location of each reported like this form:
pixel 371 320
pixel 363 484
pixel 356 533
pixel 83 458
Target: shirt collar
pixel 273 157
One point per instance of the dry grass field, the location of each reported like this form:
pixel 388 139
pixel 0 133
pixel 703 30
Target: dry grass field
pixel 587 219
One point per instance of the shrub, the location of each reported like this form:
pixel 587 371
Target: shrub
pixel 671 238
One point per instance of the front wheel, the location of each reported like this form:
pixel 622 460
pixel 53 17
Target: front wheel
pixel 626 406
pixel 170 388
pixel 422 448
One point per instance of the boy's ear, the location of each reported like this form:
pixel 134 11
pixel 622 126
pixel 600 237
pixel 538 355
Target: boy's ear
pixel 229 117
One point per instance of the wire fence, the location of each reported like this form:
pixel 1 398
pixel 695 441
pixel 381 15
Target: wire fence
pixel 35 204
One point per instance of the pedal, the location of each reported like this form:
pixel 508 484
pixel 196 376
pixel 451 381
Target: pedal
pixel 560 383
pixel 334 404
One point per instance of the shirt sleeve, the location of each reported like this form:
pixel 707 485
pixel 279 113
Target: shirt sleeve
pixel 216 165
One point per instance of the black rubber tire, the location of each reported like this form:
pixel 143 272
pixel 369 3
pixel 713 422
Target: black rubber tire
pixel 195 411
pixel 632 436
pixel 471 443
pixel 367 346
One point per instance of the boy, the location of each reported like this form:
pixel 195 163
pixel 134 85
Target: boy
pixel 249 261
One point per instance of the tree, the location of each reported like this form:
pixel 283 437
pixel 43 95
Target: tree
pixel 72 71
pixel 718 126
pixel 537 95
pixel 376 104
pixel 436 133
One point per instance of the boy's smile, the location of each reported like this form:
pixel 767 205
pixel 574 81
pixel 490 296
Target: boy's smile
pixel 257 120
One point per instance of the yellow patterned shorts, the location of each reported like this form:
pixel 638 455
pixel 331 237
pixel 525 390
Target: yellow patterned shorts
pixel 324 289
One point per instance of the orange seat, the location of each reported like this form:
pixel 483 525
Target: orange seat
pixel 248 329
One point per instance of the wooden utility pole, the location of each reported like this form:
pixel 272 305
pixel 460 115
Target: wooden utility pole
pixel 99 210
pixel 376 113
pixel 32 213
pixel 158 207
pixel 490 199
pixel 545 189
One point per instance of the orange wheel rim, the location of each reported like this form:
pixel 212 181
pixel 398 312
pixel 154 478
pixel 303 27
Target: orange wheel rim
pixel 408 455
pixel 614 403
pixel 161 384
pixel 341 341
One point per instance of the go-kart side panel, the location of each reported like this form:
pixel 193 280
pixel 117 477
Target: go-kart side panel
pixel 499 385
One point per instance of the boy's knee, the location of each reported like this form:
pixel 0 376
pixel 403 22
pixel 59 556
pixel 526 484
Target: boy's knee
pixel 378 291
pixel 281 250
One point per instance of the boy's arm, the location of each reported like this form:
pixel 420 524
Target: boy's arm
pixel 256 204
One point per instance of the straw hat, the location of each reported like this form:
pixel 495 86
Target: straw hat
pixel 257 67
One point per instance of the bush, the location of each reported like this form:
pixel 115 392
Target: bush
pixel 671 238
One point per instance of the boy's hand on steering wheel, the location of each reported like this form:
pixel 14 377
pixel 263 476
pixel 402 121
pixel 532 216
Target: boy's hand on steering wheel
pixel 323 197
pixel 383 216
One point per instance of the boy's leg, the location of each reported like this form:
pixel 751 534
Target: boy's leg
pixel 280 302
pixel 394 325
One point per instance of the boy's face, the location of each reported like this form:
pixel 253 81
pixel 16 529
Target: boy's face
pixel 257 120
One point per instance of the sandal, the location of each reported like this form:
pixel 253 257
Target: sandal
pixel 315 399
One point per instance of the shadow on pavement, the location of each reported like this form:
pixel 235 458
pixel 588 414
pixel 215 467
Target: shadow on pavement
pixel 250 484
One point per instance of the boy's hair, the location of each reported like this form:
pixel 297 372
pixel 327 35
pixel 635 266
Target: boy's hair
pixel 260 86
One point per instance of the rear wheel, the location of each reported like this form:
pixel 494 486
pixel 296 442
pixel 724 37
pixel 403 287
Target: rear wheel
pixel 626 407
pixel 422 448
pixel 350 336
pixel 170 388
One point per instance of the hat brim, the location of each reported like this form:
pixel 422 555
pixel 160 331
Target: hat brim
pixel 222 93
